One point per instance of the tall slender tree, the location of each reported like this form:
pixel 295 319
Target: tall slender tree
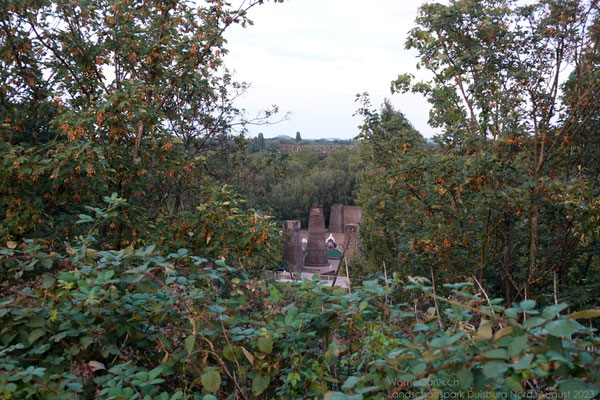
pixel 261 141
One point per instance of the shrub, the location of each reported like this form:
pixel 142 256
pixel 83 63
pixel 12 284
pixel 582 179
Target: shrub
pixel 221 227
pixel 140 323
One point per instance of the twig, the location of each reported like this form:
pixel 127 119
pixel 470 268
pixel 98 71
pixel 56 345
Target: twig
pixel 554 282
pixel 484 293
pixel 337 270
pixel 437 310
pixel 386 283
pixel 416 315
pixel 123 345
pixel 212 351
pixel 347 276
pixel 486 297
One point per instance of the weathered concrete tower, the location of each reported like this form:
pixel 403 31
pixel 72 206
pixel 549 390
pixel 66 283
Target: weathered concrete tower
pixel 316 253
pixel 336 219
pixel 292 252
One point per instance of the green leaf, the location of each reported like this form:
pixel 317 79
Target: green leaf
pixel 517 345
pixel 265 344
pixel 561 328
pixel 527 304
pixel 48 282
pixel 577 389
pixel 291 315
pixel 260 383
pixel 532 322
pixel 551 311
pixel 220 263
pixel 228 353
pixel 444 341
pixel 454 338
pixel 363 304
pixel 293 378
pixel 523 363
pixel 155 372
pixel 554 343
pixel 189 343
pixel 494 368
pixel 418 368
pixel 142 376
pixel 83 218
pixel 556 356
pixel 211 381
pixel 496 353
pixel 350 382
pixel 35 335
pixel 465 378
pixel 367 389
pixel 37 322
pixel 85 341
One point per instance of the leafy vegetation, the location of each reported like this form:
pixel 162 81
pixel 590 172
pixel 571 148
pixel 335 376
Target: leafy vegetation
pixel 139 323
pixel 114 96
pixel 508 193
pixel 134 263
pixel 288 185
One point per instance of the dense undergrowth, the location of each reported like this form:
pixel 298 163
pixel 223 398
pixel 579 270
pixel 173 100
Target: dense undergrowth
pixel 158 295
pixel 140 323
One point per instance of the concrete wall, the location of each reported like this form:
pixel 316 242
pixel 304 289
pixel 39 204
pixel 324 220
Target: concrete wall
pixel 352 214
pixel 342 241
pixel 316 254
pixel 343 225
pixel 336 219
pixel 292 252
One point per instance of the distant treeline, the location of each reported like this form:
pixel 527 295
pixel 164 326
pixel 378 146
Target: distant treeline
pixel 271 145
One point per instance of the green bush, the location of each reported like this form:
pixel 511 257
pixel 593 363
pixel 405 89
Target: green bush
pixel 140 323
pixel 222 227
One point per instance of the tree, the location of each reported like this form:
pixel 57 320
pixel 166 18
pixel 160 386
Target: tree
pixel 496 199
pixel 288 185
pixel 261 142
pixel 298 137
pixel 392 149
pixel 107 96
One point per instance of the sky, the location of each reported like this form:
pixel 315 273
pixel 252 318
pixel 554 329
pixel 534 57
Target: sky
pixel 312 57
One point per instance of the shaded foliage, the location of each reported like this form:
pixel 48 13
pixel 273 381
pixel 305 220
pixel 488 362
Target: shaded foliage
pixel 106 96
pixel 507 194
pixel 289 185
pixel 140 323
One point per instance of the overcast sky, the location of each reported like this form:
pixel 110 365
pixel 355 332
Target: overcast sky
pixel 311 58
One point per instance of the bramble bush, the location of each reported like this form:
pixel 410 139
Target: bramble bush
pixel 140 323
pixel 222 227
